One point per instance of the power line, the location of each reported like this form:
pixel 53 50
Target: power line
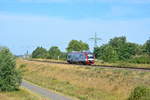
pixel 95 39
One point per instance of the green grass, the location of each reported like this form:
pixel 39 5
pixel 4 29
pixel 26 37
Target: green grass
pixel 140 93
pixel 122 64
pixel 21 94
pixel 85 83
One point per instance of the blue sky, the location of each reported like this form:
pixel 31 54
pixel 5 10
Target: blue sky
pixel 26 24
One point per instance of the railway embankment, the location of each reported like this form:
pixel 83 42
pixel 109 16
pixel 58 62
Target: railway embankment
pixel 84 83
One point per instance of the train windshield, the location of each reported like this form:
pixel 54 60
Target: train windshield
pixel 90 56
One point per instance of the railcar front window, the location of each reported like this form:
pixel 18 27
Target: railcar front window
pixel 90 56
pixel 69 56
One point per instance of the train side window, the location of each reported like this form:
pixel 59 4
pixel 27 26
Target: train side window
pixel 81 56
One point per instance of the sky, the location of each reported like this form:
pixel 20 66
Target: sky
pixel 26 24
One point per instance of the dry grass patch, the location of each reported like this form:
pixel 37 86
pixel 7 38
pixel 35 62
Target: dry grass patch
pixel 21 94
pixel 83 82
pixel 101 63
pixel 122 64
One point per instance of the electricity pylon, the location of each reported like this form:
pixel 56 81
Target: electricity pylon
pixel 95 39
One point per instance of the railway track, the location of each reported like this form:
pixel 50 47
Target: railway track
pixel 97 66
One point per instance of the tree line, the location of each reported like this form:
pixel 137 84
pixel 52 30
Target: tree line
pixel 117 49
pixel 55 53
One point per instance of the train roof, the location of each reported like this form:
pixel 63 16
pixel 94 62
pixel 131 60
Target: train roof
pixel 74 52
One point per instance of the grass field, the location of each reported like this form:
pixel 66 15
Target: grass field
pixel 85 83
pixel 101 63
pixel 21 94
pixel 123 64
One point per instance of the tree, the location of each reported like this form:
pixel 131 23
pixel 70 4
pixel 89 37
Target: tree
pixel 97 52
pixel 54 52
pixel 120 49
pixel 134 49
pixel 147 47
pixel 107 53
pixel 40 52
pixel 123 48
pixel 10 77
pixel 119 44
pixel 117 41
pixel 75 45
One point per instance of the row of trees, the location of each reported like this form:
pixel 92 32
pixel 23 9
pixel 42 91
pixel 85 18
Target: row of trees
pixel 55 53
pixel 119 49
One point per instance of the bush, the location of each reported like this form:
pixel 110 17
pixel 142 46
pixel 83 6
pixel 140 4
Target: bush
pixel 140 60
pixel 140 93
pixel 63 56
pixel 10 77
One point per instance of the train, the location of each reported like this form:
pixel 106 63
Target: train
pixel 86 58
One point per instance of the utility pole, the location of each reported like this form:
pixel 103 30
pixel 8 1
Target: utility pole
pixel 95 39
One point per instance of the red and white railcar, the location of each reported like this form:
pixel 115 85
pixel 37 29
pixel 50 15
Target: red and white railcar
pixel 81 57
